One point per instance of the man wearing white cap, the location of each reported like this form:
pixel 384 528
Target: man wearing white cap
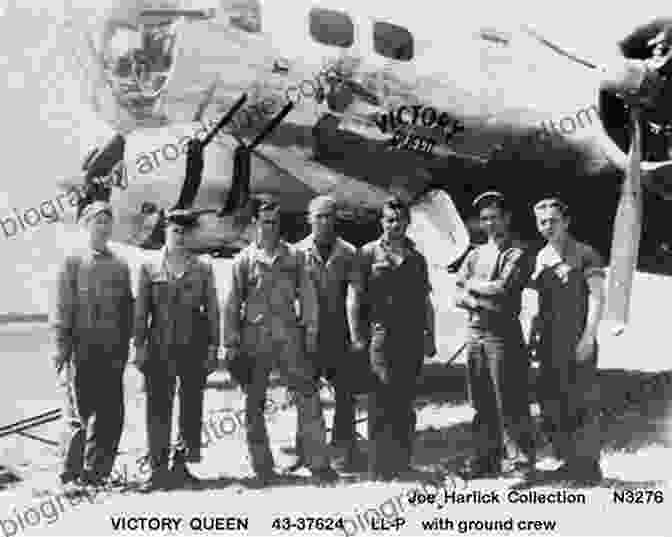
pixel 489 287
pixel 92 319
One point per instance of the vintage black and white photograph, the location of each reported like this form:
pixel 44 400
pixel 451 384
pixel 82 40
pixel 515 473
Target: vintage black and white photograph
pixel 320 267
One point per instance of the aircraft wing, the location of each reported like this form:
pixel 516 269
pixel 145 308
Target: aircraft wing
pixel 436 227
pixel 323 180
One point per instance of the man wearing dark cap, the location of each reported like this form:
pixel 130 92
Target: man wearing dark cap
pixel 569 279
pixel 400 323
pixel 332 264
pixel 92 319
pixel 176 336
pixel 489 287
pixel 262 328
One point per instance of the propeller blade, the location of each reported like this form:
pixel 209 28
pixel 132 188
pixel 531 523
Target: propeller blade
pixel 272 124
pixel 227 117
pixel 627 232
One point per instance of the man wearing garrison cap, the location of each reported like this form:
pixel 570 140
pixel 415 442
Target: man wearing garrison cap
pixel 177 335
pixel 489 288
pixel 569 279
pixel 92 319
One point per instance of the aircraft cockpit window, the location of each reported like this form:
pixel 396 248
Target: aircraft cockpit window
pixel 332 28
pixel 392 41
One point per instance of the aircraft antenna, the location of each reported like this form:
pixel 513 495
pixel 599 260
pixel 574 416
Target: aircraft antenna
pixel 556 48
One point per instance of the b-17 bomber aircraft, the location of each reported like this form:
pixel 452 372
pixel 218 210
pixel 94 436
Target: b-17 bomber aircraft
pixel 212 106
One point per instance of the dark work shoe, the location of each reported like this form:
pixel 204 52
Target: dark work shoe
pixel 351 461
pixel 480 469
pixel 158 480
pixel 298 464
pixel 73 488
pixel 264 478
pixel 378 476
pixel 68 477
pixel 324 476
pixel 180 476
pixel 588 473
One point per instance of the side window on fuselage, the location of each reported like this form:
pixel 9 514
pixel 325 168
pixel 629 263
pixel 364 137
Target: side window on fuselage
pixel 332 28
pixel 392 41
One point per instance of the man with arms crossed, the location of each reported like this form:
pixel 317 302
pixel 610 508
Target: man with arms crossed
pixel 489 287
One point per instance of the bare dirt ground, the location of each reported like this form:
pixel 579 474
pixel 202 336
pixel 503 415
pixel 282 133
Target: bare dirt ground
pixel 635 436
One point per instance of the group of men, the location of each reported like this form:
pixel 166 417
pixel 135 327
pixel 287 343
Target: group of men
pixel 568 277
pixel 361 318
pixel 320 308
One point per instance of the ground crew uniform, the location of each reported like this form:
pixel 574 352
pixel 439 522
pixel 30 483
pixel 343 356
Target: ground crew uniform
pixel 92 319
pixel 568 390
pixel 177 316
pixel 395 300
pixel 497 357
pixel 260 317
pixel 331 278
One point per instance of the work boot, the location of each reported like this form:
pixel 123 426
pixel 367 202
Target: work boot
pixel 585 473
pixel 349 461
pixel 480 468
pixel 159 479
pixel 72 486
pixel 264 478
pixel 324 476
pixel 377 476
pixel 299 463
pixel 182 477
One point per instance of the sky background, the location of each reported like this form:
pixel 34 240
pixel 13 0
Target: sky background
pixel 48 126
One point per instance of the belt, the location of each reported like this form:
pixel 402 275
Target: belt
pixel 488 319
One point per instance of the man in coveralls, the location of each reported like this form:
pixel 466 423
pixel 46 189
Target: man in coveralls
pixel 333 266
pixel 262 329
pixel 92 319
pixel 569 278
pixel 489 287
pixel 400 319
pixel 176 336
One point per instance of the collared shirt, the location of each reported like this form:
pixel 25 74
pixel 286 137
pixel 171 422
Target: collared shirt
pixel 397 286
pixel 177 309
pixel 331 278
pixel 94 302
pixel 561 278
pixel 265 291
pixel 507 266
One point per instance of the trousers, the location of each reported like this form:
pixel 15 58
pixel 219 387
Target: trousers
pixel 569 394
pixel 396 361
pixel 161 380
pixel 287 355
pixel 343 432
pixel 93 410
pixel 498 389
